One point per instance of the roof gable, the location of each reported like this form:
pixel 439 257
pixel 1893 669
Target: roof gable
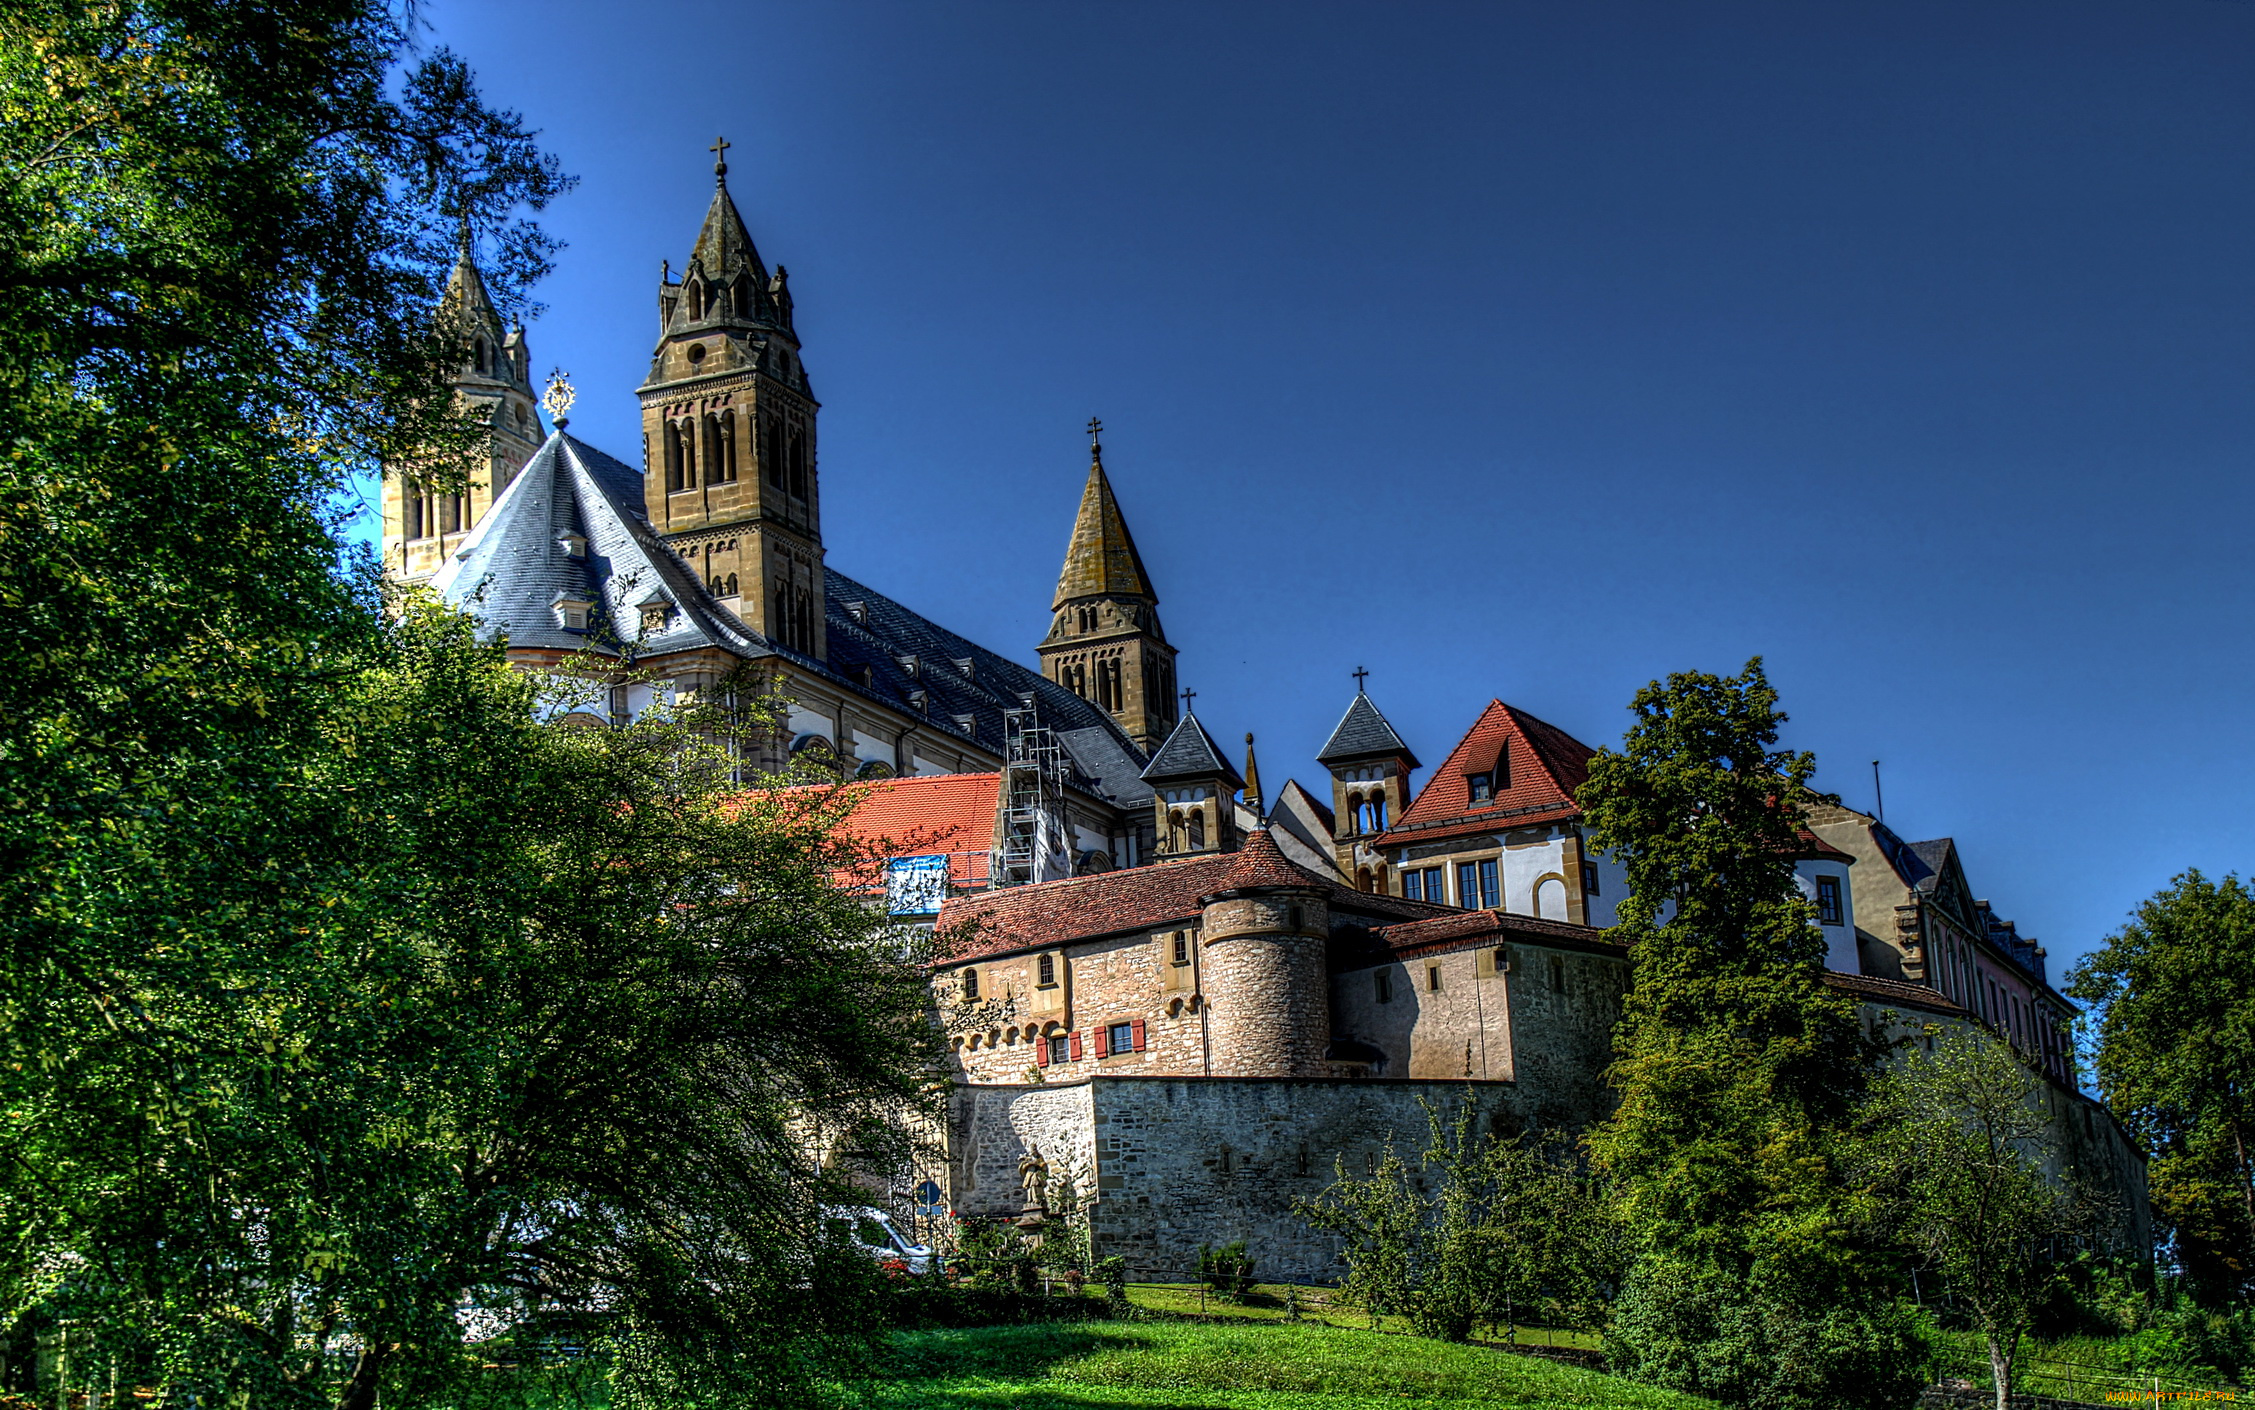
pixel 1364 733
pixel 1545 767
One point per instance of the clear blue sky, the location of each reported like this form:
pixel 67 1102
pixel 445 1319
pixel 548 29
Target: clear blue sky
pixel 1518 350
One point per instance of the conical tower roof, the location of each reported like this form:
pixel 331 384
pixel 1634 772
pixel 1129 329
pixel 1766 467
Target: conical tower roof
pixel 1190 752
pixel 723 244
pixel 1101 560
pixel 1363 733
pixel 466 296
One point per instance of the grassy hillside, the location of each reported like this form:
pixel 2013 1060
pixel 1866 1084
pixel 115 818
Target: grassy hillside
pixel 1185 1366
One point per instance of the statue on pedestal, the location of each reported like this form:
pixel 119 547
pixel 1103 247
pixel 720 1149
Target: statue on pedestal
pixel 1033 1177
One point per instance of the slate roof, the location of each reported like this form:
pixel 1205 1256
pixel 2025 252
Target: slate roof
pixel 1546 765
pixel 1364 733
pixel 724 245
pixel 1190 752
pixel 1138 898
pixel 1100 559
pixel 513 566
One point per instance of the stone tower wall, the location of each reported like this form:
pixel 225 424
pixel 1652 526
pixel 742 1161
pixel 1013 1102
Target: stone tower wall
pixel 1267 987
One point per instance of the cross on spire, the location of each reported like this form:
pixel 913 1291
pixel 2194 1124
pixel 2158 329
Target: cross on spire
pixel 1359 674
pixel 719 149
pixel 1095 438
pixel 1187 697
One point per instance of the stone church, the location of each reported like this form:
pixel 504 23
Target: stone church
pixel 1196 998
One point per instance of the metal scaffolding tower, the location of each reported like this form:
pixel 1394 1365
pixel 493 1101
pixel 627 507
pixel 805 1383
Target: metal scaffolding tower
pixel 1034 841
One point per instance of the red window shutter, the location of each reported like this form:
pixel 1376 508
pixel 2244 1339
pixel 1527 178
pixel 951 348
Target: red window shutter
pixel 1099 1037
pixel 1139 1035
pixel 1076 1045
pixel 1041 1052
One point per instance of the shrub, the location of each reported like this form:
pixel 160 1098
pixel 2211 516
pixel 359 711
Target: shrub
pixel 1113 1273
pixel 1228 1270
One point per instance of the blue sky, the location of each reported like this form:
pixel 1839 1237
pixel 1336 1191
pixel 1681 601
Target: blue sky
pixel 1516 350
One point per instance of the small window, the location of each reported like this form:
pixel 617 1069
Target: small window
pixel 1382 986
pixel 1589 878
pixel 1181 947
pixel 1060 1048
pixel 1433 978
pixel 1828 900
pixel 1045 971
pixel 1293 919
pixel 970 984
pixel 1501 960
pixel 1120 1038
pixel 1557 975
pixel 1482 788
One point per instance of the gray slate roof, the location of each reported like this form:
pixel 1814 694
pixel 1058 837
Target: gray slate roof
pixel 1190 753
pixel 1363 733
pixel 512 568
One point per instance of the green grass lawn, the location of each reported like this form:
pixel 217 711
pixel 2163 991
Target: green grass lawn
pixel 1253 1366
pixel 1269 1304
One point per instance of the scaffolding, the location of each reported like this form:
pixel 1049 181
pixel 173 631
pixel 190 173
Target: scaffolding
pixel 1033 840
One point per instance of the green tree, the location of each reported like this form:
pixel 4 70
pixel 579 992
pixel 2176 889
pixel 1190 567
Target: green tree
pixel 2174 992
pixel 348 1009
pixel 1753 1274
pixel 1962 1132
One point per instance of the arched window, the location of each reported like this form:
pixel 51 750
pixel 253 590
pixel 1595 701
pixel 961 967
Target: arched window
pixel 771 450
pixel 797 457
pixel 1174 830
pixel 1362 878
pixel 1354 811
pixel 1197 828
pixel 729 589
pixel 728 447
pixel 414 511
pixel 480 357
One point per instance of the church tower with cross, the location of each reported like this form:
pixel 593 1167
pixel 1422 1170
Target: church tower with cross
pixel 1105 643
pixel 728 416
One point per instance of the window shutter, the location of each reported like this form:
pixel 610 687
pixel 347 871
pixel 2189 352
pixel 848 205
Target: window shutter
pixel 1139 1035
pixel 1076 1045
pixel 1099 1036
pixel 1041 1052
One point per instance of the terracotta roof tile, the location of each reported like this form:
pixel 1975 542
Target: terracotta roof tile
pixel 925 816
pixel 1546 767
pixel 1261 863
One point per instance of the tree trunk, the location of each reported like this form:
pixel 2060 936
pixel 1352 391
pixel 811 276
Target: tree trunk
pixel 360 1391
pixel 2000 1369
pixel 2246 1175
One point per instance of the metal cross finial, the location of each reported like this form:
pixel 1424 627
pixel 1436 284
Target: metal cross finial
pixel 1360 674
pixel 1095 438
pixel 1187 697
pixel 719 149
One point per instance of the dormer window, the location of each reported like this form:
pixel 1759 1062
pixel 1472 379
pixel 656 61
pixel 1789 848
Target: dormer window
pixel 1482 788
pixel 859 611
pixel 920 701
pixel 656 613
pixel 965 667
pixel 969 724
pixel 572 611
pixel 909 665
pixel 573 544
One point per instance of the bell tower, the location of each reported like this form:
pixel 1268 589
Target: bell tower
pixel 728 468
pixel 1105 643
pixel 425 521
pixel 1370 768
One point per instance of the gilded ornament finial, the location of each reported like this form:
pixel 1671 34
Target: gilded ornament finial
pixel 559 397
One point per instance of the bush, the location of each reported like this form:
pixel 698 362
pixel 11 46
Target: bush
pixel 1228 1270
pixel 1696 1329
pixel 1112 1272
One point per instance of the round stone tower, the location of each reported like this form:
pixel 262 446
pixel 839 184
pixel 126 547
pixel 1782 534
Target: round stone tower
pixel 1266 982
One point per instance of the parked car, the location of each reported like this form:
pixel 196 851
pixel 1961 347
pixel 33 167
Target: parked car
pixel 875 1233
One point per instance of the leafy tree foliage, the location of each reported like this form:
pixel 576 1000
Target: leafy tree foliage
pixel 1509 1231
pixel 1961 1133
pixel 348 1009
pixel 2175 1058
pixel 1755 1273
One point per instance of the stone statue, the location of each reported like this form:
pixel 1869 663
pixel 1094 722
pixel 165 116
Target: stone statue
pixel 1033 1175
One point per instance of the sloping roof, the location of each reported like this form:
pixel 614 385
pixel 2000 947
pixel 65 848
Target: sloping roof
pixel 1364 733
pixel 942 813
pixel 1545 767
pixel 1934 856
pixel 1260 864
pixel 723 244
pixel 513 566
pixel 1139 898
pixel 1190 752
pixel 1100 559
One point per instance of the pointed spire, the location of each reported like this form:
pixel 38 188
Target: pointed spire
pixel 1190 753
pixel 1252 777
pixel 723 245
pixel 465 288
pixel 1101 560
pixel 1363 733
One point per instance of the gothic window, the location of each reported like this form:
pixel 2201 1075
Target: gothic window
pixel 1198 828
pixel 797 461
pixel 710 425
pixel 671 446
pixel 771 450
pixel 415 512
pixel 482 364
pixel 728 447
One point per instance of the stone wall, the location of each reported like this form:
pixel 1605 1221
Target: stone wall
pixel 991 1127
pixel 1266 989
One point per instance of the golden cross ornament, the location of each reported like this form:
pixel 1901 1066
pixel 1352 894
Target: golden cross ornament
pixel 559 397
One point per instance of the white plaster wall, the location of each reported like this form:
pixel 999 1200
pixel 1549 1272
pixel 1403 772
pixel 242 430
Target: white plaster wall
pixel 868 746
pixel 1523 865
pixel 1839 940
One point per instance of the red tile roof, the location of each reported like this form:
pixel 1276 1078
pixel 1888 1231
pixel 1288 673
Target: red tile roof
pixel 1142 898
pixel 920 817
pixel 1546 764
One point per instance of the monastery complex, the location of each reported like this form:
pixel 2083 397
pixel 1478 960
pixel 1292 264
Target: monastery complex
pixel 1195 995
